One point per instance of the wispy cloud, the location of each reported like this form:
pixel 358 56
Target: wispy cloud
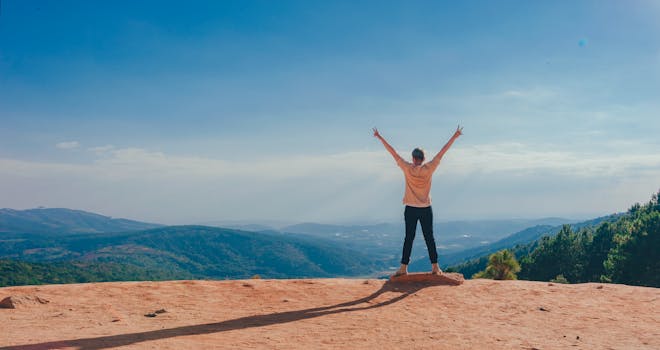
pixel 521 158
pixel 136 163
pixel 68 145
pixel 350 185
pixel 529 94
pixel 484 158
pixel 101 149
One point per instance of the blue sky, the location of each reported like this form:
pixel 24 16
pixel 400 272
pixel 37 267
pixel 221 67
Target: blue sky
pixel 183 112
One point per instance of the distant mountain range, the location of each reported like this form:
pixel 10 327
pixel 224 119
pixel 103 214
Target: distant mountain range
pixel 384 241
pixel 120 249
pixel 54 221
pixel 167 251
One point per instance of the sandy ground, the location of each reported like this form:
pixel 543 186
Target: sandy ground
pixel 332 314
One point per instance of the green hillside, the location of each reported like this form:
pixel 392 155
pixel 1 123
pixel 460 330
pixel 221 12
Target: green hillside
pixel 625 250
pixel 477 257
pixel 192 252
pixel 16 273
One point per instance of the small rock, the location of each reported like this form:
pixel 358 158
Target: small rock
pixel 543 309
pixel 7 303
pixel 150 315
pixel 551 284
pixel 12 302
pixel 116 320
pixel 160 311
pixel 578 337
pixel 599 287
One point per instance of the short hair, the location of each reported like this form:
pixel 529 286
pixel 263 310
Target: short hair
pixel 418 153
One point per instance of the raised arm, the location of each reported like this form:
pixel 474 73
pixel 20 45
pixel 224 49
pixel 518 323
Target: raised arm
pixel 389 148
pixel 459 132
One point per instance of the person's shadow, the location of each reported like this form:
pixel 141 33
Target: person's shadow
pixel 112 341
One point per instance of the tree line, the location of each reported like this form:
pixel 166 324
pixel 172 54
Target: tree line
pixel 626 251
pixel 17 273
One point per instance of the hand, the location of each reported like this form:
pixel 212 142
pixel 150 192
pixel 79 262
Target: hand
pixel 376 133
pixel 459 131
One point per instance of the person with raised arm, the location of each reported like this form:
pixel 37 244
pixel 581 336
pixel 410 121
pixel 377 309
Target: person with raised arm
pixel 417 199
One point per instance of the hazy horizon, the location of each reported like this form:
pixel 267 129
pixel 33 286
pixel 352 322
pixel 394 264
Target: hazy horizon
pixel 277 224
pixel 166 112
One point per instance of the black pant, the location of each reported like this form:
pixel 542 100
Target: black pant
pixel 425 217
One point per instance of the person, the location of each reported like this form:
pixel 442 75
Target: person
pixel 417 199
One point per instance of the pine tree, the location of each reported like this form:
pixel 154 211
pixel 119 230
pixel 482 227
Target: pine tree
pixel 501 266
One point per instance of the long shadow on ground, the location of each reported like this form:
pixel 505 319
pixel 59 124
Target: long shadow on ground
pixel 112 341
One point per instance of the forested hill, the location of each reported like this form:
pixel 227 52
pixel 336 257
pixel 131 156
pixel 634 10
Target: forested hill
pixel 60 221
pixel 477 256
pixel 177 252
pixel 624 251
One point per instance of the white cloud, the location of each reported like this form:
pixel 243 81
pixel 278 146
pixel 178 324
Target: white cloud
pixel 517 157
pixel 531 94
pixel 354 185
pixel 68 145
pixel 101 149
pixel 485 158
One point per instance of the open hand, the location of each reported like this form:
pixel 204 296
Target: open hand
pixel 376 133
pixel 459 131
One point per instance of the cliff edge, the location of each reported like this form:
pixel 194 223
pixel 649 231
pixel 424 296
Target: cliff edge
pixel 330 313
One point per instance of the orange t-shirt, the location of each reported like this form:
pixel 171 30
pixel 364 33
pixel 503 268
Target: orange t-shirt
pixel 418 181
